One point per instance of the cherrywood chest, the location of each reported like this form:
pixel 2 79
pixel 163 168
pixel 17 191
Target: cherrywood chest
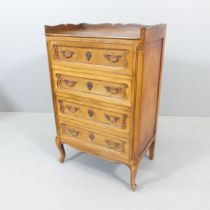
pixel 105 82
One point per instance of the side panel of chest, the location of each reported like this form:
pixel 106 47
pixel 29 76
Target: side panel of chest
pixel 146 103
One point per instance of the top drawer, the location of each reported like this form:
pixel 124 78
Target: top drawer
pixel 117 58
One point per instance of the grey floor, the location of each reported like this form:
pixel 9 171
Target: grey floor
pixel 32 178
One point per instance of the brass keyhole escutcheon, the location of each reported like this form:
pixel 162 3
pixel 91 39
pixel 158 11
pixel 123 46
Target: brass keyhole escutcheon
pixel 88 55
pixel 89 85
pixel 91 136
pixel 90 112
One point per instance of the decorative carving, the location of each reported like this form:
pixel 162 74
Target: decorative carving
pixel 117 90
pixel 112 58
pixel 56 54
pixel 61 105
pixel 124 120
pixel 67 54
pixel 89 85
pixel 65 82
pixel 88 55
pixel 63 128
pixel 69 132
pixel 113 145
pixel 90 112
pixel 140 47
pixel 112 119
pixel 126 60
pixel 91 136
pixel 59 81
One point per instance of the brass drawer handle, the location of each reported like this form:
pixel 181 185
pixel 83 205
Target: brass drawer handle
pixel 69 132
pixel 88 55
pixel 112 119
pixel 112 58
pixel 68 54
pixel 72 109
pixel 115 145
pixel 69 83
pixel 89 85
pixel 115 90
pixel 90 112
pixel 91 136
pixel 72 132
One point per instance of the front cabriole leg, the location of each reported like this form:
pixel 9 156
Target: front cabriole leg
pixel 133 170
pixel 61 150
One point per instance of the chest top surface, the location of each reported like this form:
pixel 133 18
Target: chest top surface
pixel 121 31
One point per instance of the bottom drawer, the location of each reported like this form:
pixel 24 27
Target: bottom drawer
pixel 114 145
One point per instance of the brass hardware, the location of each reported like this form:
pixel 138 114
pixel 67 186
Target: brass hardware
pixel 72 109
pixel 88 55
pixel 112 58
pixel 90 112
pixel 115 145
pixel 69 132
pixel 113 90
pixel 116 90
pixel 91 136
pixel 68 54
pixel 69 83
pixel 89 85
pixel 112 119
pixel 72 132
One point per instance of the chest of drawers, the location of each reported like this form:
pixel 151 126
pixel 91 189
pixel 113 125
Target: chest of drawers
pixel 105 82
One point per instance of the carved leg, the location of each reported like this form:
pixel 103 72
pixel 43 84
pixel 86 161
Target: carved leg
pixel 61 149
pixel 152 151
pixel 133 170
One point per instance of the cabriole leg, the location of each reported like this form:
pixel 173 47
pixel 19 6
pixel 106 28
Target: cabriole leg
pixel 133 171
pixel 61 149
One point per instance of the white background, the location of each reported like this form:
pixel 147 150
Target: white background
pixel 24 78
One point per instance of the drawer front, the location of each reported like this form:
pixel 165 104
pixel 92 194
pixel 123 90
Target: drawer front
pixel 81 134
pixel 93 55
pixel 115 58
pixel 67 84
pixel 120 121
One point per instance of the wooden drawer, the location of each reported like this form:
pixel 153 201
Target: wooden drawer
pixel 117 121
pixel 93 55
pixel 96 87
pixel 79 134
